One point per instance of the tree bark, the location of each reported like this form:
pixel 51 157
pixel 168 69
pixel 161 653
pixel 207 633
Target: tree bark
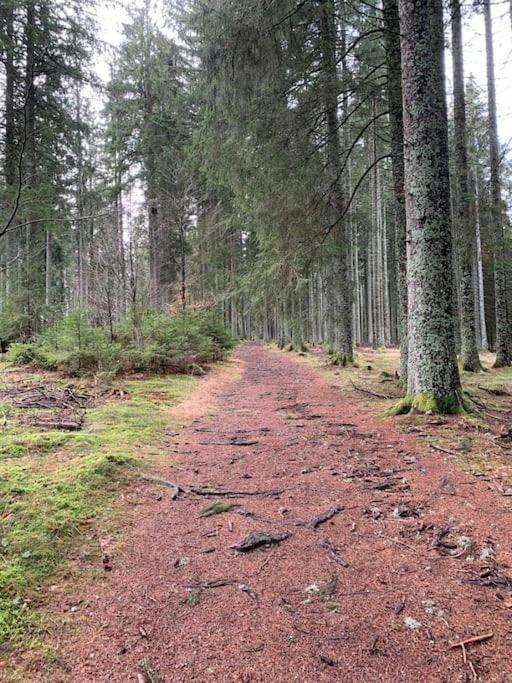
pixel 479 267
pixel 10 131
pixel 433 382
pixel 337 195
pixel 394 67
pixel 29 127
pixel 464 224
pixel 503 351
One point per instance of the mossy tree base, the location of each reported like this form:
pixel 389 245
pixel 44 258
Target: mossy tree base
pixel 427 404
pixel 343 360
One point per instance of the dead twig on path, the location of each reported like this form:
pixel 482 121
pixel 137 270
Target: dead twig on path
pixel 146 673
pixel 266 561
pixel 333 552
pixel 442 450
pixel 474 639
pixel 211 491
pixel 199 585
pixel 306 524
pixel 216 583
pixel 235 442
pixel 322 517
pixel 495 391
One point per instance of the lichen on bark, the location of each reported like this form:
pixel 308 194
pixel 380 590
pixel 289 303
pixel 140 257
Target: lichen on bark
pixel 432 363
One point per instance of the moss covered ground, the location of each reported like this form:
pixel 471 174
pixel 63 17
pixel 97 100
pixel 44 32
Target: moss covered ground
pixel 59 491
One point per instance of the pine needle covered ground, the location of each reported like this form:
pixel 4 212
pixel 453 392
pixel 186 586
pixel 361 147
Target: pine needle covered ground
pixel 479 441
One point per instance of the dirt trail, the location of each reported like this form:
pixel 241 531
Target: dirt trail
pixel 396 607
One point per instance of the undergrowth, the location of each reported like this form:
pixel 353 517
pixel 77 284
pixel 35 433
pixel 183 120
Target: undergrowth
pixel 155 342
pixel 56 489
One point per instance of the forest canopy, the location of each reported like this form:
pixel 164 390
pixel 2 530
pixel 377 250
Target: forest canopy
pixel 262 160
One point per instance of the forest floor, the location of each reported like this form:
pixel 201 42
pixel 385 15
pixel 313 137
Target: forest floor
pixel 345 546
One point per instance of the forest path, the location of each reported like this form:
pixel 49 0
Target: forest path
pixel 389 616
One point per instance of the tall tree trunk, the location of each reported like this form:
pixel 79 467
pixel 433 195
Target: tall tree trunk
pixel 337 195
pixel 464 226
pixel 10 133
pixel 118 205
pixel 479 267
pixel 29 126
pixel 503 351
pixel 10 116
pixel 153 232
pixel 82 265
pixel 48 271
pixel 394 66
pixel 433 382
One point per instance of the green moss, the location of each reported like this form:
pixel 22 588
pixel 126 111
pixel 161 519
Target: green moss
pixel 55 486
pixel 193 597
pixel 17 445
pixel 343 360
pixel 15 621
pixel 426 404
pixel 329 589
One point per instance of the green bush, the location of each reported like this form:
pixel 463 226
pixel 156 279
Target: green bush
pixel 159 342
pixel 14 325
pixel 22 354
pixel 174 343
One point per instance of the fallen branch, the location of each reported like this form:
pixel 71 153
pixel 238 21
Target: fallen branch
pixel 56 425
pixel 474 639
pixel 442 450
pixel 370 393
pixel 199 586
pixel 495 391
pixel 218 583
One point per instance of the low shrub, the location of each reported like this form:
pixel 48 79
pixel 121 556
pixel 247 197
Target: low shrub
pixel 159 343
pixel 22 353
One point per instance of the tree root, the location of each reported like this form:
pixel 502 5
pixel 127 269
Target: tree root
pixel 201 490
pixel 332 551
pixel 258 539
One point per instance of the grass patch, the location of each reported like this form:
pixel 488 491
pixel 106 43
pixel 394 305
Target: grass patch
pixel 57 488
